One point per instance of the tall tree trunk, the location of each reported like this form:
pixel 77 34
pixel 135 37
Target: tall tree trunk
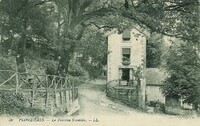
pixel 2 31
pixel 195 106
pixel 20 54
pixel 64 61
pixel 67 54
pixel 21 47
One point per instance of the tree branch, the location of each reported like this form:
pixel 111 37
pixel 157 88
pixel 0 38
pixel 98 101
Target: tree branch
pixel 100 27
pixel 42 2
pixel 152 28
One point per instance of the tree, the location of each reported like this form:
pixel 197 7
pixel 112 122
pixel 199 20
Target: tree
pixel 93 48
pixel 49 25
pixel 174 18
pixel 183 66
pixel 72 20
pixel 59 25
pixel 154 50
pixel 22 21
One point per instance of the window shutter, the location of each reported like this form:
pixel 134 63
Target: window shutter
pixel 126 35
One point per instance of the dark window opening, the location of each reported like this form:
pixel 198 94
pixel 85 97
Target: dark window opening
pixel 125 77
pixel 126 57
pixel 126 53
pixel 126 74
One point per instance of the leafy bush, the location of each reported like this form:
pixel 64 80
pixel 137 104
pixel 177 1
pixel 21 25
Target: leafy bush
pixel 77 72
pixel 12 103
pixel 7 63
pixel 41 66
pixel 157 105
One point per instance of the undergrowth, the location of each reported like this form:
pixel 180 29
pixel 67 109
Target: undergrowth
pixel 14 104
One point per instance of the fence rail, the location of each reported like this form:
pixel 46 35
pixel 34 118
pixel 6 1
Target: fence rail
pixel 43 91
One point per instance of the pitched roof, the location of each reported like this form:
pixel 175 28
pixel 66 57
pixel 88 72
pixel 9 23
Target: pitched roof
pixel 154 76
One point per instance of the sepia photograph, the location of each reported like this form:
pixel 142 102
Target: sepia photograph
pixel 99 62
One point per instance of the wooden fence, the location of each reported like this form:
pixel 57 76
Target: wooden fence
pixel 50 92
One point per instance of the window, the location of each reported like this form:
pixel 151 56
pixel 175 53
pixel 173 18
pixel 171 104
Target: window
pixel 126 53
pixel 126 35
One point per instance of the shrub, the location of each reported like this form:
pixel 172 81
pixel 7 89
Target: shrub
pixel 157 105
pixel 77 72
pixel 7 63
pixel 12 103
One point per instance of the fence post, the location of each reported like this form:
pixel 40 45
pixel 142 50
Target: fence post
pixel 69 83
pixel 65 92
pixel 72 90
pixel 61 84
pixel 17 81
pixel 47 94
pixel 33 93
pixel 77 93
pixel 55 88
pixel 47 97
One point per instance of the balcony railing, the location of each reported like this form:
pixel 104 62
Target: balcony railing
pixel 125 83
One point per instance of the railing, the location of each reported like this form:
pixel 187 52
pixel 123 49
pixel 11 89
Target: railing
pixel 126 93
pixel 41 90
pixel 129 83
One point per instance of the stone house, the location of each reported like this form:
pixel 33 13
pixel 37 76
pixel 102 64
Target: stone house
pixel 125 63
pixel 128 79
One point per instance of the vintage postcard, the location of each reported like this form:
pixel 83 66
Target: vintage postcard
pixel 99 62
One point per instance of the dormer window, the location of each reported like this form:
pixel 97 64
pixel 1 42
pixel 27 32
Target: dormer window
pixel 126 35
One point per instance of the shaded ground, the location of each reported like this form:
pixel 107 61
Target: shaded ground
pixel 95 104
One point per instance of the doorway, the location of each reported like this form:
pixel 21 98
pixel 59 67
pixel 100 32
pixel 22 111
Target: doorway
pixel 125 76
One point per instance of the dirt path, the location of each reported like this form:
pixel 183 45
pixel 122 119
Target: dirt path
pixel 95 104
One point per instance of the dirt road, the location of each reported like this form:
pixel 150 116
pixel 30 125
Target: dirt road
pixel 95 105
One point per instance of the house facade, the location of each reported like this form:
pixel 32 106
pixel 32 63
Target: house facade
pixel 125 62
